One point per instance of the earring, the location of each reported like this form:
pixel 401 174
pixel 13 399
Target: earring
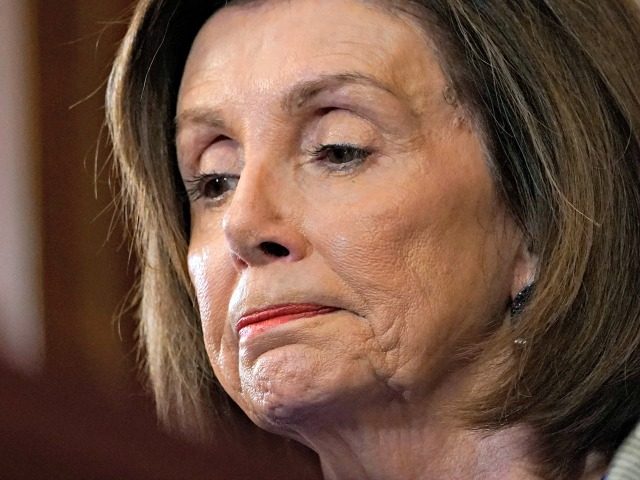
pixel 518 304
pixel 520 300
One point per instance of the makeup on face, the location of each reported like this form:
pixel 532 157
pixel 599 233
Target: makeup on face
pixel 259 320
pixel 346 234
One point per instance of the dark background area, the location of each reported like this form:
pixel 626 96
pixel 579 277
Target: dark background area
pixel 86 268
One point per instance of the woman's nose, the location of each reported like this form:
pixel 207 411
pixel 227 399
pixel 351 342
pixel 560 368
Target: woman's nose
pixel 260 225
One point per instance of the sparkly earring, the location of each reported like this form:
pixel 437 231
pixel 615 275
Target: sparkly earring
pixel 518 304
pixel 520 300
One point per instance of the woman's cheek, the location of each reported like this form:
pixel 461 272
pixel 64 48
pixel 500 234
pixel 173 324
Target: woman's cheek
pixel 197 262
pixel 211 280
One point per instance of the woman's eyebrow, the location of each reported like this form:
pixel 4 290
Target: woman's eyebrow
pixel 304 91
pixel 209 117
pixel 294 99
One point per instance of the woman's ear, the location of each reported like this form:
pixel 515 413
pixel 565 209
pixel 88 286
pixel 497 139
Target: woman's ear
pixel 525 267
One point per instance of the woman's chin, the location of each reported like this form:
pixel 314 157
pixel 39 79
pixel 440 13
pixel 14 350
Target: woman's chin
pixel 290 387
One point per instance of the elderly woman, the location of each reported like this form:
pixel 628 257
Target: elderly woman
pixel 405 234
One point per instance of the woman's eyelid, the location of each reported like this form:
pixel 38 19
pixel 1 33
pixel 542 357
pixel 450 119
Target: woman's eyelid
pixel 191 141
pixel 218 141
pixel 344 127
pixel 210 164
pixel 220 156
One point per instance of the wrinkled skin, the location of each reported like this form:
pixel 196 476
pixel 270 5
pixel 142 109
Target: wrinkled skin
pixel 411 243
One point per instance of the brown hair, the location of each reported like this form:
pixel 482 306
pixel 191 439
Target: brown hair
pixel 555 88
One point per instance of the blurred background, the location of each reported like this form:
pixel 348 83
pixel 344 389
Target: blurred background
pixel 71 401
pixel 63 276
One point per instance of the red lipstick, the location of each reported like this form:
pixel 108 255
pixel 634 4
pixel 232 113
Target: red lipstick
pixel 278 314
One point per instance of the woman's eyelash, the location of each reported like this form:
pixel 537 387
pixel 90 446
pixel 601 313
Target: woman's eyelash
pixel 340 157
pixel 210 186
pixel 335 157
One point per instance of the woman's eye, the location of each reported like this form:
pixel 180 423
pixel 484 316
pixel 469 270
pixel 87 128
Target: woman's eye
pixel 340 157
pixel 211 186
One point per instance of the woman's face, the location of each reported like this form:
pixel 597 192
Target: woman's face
pixel 326 169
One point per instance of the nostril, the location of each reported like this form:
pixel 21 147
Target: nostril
pixel 274 249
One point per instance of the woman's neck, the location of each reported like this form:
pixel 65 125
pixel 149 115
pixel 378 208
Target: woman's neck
pixel 409 435
pixel 391 446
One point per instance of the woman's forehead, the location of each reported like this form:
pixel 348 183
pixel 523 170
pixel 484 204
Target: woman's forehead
pixel 264 46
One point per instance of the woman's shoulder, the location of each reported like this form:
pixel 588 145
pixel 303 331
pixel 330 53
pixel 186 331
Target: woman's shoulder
pixel 626 462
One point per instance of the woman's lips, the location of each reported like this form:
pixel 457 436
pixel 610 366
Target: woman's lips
pixel 278 314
